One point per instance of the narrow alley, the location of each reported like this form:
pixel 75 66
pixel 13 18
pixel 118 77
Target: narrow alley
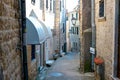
pixel 67 68
pixel 59 39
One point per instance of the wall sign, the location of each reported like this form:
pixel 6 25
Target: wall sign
pixel 92 50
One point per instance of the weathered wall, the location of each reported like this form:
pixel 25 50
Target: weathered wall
pixel 85 34
pixel 57 25
pixel 32 64
pixel 10 59
pixel 104 35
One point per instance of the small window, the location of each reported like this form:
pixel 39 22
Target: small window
pixel 46 4
pixel 33 2
pixel 101 8
pixel 33 52
pixel 77 31
pixel 63 28
pixel 77 16
pixel 41 5
pixel 73 30
pixel 53 6
pixel 60 5
pixel 50 5
pixel 67 18
pixel 72 15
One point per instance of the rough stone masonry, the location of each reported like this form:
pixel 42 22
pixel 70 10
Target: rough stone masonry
pixel 10 60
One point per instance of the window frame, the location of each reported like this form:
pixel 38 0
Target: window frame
pixel 101 18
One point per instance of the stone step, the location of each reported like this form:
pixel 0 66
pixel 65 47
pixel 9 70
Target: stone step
pixel 49 62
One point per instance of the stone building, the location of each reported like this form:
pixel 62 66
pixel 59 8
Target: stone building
pixel 74 27
pixel 85 35
pixel 107 18
pixel 68 33
pixel 40 21
pixel 107 21
pixel 60 26
pixel 10 55
pixel 11 65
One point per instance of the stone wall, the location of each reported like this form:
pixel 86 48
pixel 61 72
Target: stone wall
pixel 32 64
pixel 104 35
pixel 57 25
pixel 85 35
pixel 10 59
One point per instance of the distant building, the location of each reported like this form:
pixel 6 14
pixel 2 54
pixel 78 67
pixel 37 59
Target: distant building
pixel 40 15
pixel 68 33
pixel 74 30
pixel 60 26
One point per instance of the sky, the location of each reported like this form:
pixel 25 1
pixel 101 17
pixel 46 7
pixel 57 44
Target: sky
pixel 70 4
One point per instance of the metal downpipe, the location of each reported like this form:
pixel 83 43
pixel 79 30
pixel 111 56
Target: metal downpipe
pixel 24 43
pixel 93 31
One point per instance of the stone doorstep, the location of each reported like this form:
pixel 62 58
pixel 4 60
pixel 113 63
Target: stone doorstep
pixel 62 54
pixel 49 62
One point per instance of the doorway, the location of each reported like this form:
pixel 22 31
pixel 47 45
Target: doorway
pixel 118 59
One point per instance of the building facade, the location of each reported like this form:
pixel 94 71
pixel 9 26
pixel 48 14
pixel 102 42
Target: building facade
pixel 85 35
pixel 106 21
pixel 74 31
pixel 68 33
pixel 39 13
pixel 60 26
pixel 107 36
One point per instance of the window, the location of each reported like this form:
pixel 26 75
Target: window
pixel 46 4
pixel 63 28
pixel 53 6
pixel 50 5
pixel 101 8
pixel 77 31
pixel 33 52
pixel 60 5
pixel 72 15
pixel 33 2
pixel 41 5
pixel 67 18
pixel 77 16
pixel 72 30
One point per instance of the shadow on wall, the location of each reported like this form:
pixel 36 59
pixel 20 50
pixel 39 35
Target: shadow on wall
pixel 1 73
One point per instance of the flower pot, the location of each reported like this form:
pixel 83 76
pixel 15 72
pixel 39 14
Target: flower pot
pixel 98 61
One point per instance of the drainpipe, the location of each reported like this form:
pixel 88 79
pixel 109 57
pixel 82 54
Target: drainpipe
pixel 93 30
pixel 24 43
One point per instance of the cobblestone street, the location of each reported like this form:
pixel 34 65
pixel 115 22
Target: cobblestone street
pixel 67 68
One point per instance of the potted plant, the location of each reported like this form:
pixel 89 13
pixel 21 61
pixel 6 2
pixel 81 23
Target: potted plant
pixel 98 61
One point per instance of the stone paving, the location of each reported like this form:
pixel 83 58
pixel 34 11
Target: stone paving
pixel 67 68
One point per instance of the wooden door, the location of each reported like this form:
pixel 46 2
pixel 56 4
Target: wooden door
pixel 118 69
